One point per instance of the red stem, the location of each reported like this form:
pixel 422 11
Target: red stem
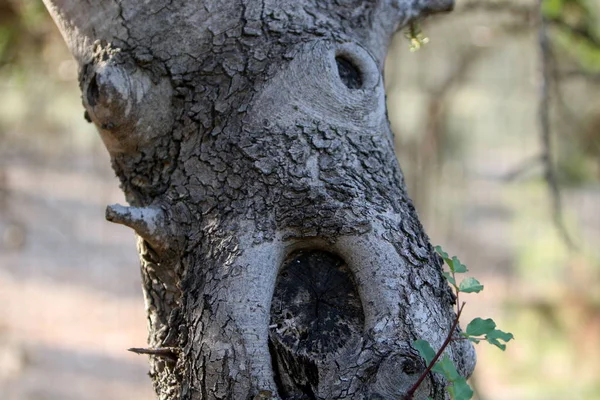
pixel 409 395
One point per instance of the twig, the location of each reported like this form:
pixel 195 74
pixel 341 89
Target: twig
pixel 164 352
pixel 544 125
pixel 411 392
pixel 572 120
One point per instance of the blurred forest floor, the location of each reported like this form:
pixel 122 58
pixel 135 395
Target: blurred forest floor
pixel 465 112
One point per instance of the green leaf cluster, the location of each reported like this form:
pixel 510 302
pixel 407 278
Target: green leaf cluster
pixel 468 285
pixel 458 388
pixel 576 30
pixel 477 330
pixel 485 329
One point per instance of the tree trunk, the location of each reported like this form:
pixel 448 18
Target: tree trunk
pixel 280 254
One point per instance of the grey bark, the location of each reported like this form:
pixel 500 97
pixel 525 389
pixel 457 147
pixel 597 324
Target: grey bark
pixel 281 256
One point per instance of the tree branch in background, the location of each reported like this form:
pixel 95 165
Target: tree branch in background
pixel 428 149
pixel 534 16
pixel 546 66
pixel 434 133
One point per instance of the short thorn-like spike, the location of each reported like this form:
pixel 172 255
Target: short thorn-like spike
pixel 164 352
pixel 148 222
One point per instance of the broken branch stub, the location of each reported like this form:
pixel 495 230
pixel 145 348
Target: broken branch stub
pixel 148 222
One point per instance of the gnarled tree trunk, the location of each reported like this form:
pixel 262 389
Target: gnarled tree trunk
pixel 281 256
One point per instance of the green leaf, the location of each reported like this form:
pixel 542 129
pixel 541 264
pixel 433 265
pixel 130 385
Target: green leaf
pixel 496 343
pixel 449 278
pixel 459 268
pixel 446 367
pixel 505 336
pixel 479 327
pixel 460 389
pixel 496 335
pixel 470 285
pixel 450 264
pixel 441 252
pixel 424 349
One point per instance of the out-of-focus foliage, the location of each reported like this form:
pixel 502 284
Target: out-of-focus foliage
pixel 477 330
pixel 576 36
pixel 576 44
pixel 578 30
pixel 38 112
pixel 24 28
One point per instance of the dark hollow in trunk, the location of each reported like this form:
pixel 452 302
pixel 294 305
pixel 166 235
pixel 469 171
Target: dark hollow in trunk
pixel 315 312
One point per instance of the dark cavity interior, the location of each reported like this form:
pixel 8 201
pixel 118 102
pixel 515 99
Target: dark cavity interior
pixel 315 312
pixel 349 73
pixel 93 92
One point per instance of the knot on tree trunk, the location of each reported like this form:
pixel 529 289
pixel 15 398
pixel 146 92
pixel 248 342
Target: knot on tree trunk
pixel 130 106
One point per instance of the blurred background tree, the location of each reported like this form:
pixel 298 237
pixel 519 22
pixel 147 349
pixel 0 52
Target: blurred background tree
pixel 497 124
pixel 37 76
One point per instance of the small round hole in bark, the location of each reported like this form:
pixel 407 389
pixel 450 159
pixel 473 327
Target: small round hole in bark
pixel 349 72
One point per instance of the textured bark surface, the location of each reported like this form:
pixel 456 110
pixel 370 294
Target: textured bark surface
pixel 281 256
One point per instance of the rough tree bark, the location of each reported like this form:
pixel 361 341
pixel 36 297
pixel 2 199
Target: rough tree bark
pixel 280 254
